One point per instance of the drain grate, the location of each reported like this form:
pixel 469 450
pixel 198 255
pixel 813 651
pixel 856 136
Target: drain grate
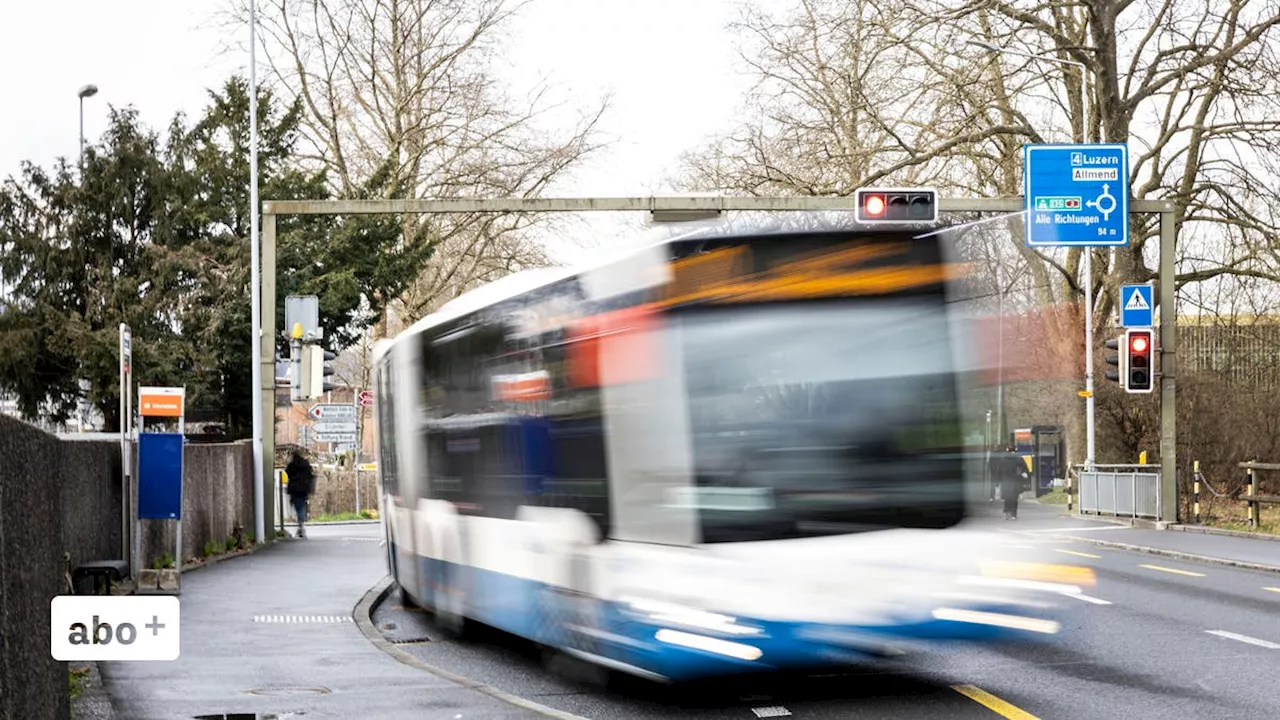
pixel 325 619
pixel 363 539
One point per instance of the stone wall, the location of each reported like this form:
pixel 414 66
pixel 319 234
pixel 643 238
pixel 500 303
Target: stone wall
pixel 32 684
pixel 60 505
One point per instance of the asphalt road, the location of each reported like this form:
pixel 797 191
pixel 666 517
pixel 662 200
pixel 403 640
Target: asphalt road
pixel 1158 639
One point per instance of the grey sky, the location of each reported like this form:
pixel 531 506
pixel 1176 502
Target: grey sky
pixel 669 64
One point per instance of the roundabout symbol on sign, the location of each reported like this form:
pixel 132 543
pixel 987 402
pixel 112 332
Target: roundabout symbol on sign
pixel 1105 203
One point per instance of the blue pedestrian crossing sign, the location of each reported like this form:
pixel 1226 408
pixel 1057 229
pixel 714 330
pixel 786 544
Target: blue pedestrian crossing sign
pixel 1076 194
pixel 1136 306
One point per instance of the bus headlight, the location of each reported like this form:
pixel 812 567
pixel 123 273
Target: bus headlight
pixel 666 613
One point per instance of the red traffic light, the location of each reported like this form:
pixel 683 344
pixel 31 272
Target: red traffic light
pixel 1139 365
pixel 896 205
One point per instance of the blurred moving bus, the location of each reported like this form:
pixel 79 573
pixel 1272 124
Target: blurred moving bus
pixel 736 448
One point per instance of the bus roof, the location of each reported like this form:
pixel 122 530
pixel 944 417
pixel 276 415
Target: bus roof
pixel 753 224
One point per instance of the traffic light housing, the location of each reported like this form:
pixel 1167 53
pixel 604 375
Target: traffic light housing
pixel 1115 375
pixel 1139 371
pixel 321 371
pixel 316 370
pixel 896 205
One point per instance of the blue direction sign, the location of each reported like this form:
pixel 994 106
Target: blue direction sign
pixel 1136 306
pixel 1076 194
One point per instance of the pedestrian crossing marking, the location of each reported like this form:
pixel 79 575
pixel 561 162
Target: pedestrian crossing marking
pixel 1137 301
pixel 330 619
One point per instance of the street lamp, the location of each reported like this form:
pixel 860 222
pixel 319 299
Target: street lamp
pixel 85 92
pixel 255 289
pixel 1088 256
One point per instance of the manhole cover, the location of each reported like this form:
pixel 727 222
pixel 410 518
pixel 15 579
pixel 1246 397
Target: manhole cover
pixel 288 690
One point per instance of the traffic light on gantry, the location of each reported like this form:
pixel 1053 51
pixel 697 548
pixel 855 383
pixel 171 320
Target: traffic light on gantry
pixel 1138 371
pixel 896 205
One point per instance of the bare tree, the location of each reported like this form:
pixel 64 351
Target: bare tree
pixel 888 92
pixel 402 98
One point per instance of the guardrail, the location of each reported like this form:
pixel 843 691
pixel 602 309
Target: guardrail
pixel 1119 490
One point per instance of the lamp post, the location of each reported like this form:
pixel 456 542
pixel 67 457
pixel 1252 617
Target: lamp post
pixel 1088 255
pixel 255 299
pixel 85 92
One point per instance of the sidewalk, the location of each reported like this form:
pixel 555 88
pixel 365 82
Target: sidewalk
pixel 273 633
pixel 1181 542
pixel 1244 552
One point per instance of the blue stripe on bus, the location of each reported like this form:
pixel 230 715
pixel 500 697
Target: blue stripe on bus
pixel 527 609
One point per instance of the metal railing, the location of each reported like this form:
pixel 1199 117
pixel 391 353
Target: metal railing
pixel 1119 490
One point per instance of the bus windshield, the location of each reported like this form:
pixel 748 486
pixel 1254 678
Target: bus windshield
pixel 820 418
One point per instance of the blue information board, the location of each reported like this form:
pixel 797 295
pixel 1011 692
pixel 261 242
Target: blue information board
pixel 1076 194
pixel 1136 306
pixel 160 476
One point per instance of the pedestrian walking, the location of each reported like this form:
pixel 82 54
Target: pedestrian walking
pixel 302 482
pixel 1011 472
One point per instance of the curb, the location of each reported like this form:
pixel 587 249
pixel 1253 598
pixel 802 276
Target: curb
pixel 328 523
pixel 1190 557
pixel 223 557
pixel 364 619
pixel 94 702
pixel 1219 531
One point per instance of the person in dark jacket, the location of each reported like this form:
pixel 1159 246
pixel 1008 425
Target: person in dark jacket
pixel 1011 472
pixel 302 482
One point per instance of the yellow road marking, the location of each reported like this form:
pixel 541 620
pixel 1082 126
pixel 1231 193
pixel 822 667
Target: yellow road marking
pixel 1276 590
pixel 1074 552
pixel 993 703
pixel 1171 570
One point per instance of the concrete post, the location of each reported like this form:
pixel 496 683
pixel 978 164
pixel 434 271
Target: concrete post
pixel 267 471
pixel 1168 368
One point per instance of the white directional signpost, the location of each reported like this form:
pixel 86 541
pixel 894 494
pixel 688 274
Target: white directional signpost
pixel 1078 195
pixel 336 423
pixel 333 411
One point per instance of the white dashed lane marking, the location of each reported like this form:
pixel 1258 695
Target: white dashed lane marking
pixel 1245 639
